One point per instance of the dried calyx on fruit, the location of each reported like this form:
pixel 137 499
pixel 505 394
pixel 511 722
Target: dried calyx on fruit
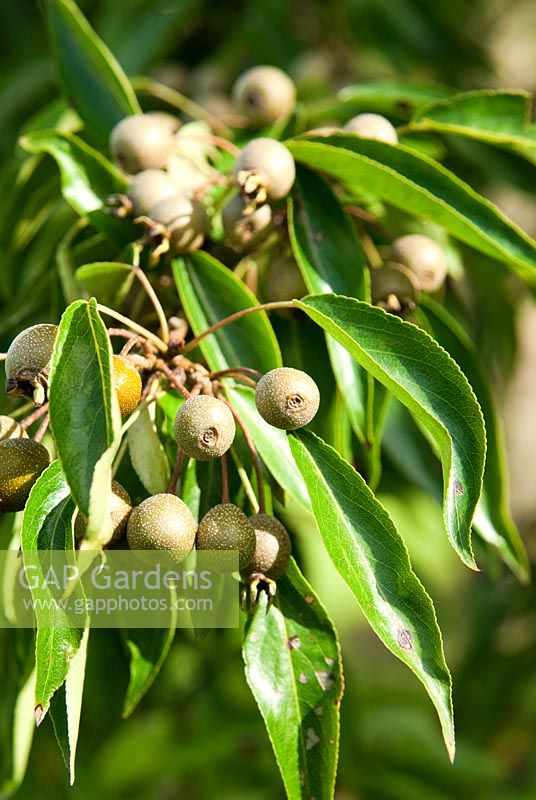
pixel 424 258
pixel 372 126
pixel 272 547
pixel 28 362
pixel 11 429
pixel 21 463
pixel 162 522
pixel 142 141
pixel 127 384
pixel 226 527
pixel 148 188
pixel 181 221
pixel 264 170
pixel 394 288
pixel 204 427
pixel 245 228
pixel 265 95
pixel 287 398
pixel 120 508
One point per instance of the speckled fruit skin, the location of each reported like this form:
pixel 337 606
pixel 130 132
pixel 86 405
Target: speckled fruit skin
pixel 272 162
pixel 120 508
pixel 226 527
pixel 10 429
pixel 272 547
pixel 185 219
pixel 127 384
pixel 372 126
pixel 162 522
pixel 21 463
pixel 29 356
pixel 264 95
pixel 393 278
pixel 142 141
pixel 204 427
pixel 245 229
pixel 148 188
pixel 424 257
pixel 287 398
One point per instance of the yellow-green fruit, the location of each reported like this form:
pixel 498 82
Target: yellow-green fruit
pixel 21 463
pixel 185 219
pixel 120 508
pixel 127 384
pixel 148 188
pixel 204 427
pixel 162 522
pixel 394 288
pixel 272 547
pixel 28 362
pixel 265 164
pixel 242 227
pixel 287 398
pixel 424 257
pixel 226 527
pixel 264 94
pixel 10 429
pixel 372 126
pixel 142 141
pixel 284 280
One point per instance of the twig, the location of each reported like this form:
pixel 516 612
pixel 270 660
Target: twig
pixel 163 367
pixel 233 318
pixel 31 418
pixel 179 461
pixel 42 429
pixel 151 294
pixel 254 455
pixel 236 370
pixel 158 343
pixel 225 496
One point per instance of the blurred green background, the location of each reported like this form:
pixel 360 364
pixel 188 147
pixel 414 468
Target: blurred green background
pixel 197 734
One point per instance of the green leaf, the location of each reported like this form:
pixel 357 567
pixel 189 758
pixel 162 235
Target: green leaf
pixel 91 77
pixel 494 116
pixel 294 669
pixel 395 97
pixel 209 292
pixel 47 525
pixel 66 707
pixel 493 520
pixel 371 556
pixel 109 281
pixel 84 412
pixel 423 377
pixel 329 254
pixel 87 180
pixel 421 186
pixel 148 650
pixel 147 453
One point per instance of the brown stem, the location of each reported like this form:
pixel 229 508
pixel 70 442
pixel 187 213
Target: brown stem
pixel 179 461
pixel 254 455
pixel 151 294
pixel 236 371
pixel 225 496
pixel 139 329
pixel 234 317
pixel 42 429
pixel 172 378
pixel 31 418
pixel 132 342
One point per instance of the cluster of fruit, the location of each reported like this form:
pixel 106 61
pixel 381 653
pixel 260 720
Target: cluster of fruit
pixel 204 429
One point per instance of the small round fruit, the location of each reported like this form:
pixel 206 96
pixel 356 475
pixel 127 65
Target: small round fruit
pixel 226 527
pixel 142 141
pixel 120 508
pixel 204 427
pixel 272 547
pixel 185 219
pixel 162 522
pixel 394 288
pixel 148 188
pixel 287 398
pixel 28 362
pixel 284 280
pixel 127 384
pixel 424 257
pixel 21 463
pixel 11 429
pixel 265 164
pixel 264 94
pixel 372 126
pixel 245 228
